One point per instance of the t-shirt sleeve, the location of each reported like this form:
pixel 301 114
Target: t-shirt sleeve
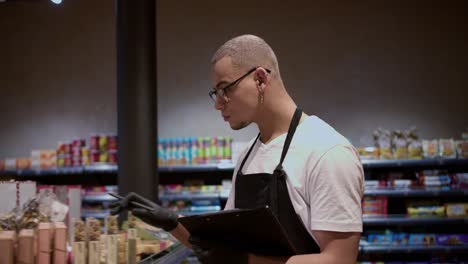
pixel 336 183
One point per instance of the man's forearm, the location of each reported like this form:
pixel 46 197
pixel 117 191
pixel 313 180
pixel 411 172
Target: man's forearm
pixel 181 234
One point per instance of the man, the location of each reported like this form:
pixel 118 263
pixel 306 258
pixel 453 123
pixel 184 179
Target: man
pixel 308 173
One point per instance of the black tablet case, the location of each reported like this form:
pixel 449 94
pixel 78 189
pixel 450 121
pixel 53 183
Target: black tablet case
pixel 257 231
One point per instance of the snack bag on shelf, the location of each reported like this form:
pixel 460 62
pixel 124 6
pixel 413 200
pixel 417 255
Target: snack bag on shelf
pixel 456 209
pixel 23 163
pixel 452 239
pixel 374 206
pixel 422 239
pixel 79 231
pixel 430 148
pixel 400 145
pixel 79 251
pixel 368 153
pixel 10 164
pixel 415 149
pixel 447 148
pixel 383 140
pixel 93 228
pixel 425 208
pixel 462 149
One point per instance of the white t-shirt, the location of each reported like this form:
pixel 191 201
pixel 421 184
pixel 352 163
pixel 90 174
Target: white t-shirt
pixel 325 176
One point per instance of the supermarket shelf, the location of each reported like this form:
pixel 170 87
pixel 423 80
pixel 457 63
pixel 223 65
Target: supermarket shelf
pixel 101 168
pixel 98 198
pixel 175 197
pixel 411 220
pixel 416 192
pixel 197 168
pixel 424 163
pixel 229 167
pixel 408 249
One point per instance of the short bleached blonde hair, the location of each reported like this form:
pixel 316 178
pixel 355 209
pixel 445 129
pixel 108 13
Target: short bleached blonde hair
pixel 247 52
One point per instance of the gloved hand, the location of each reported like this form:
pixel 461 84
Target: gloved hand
pixel 157 216
pixel 215 252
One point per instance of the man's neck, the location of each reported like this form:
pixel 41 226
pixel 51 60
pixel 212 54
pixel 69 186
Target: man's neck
pixel 275 119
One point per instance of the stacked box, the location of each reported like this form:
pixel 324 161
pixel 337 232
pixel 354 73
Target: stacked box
pixel 7 245
pixel 103 148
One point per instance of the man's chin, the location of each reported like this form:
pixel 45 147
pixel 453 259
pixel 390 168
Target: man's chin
pixel 238 126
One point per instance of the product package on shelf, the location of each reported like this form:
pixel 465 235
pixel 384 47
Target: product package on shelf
pixel 25 250
pixel 103 149
pixel 399 145
pixel 7 246
pixel 447 148
pixel 390 238
pixel 425 208
pixel 192 151
pixel 132 239
pixel 430 148
pixel 383 141
pixel 43 159
pixel 415 148
pixel 374 206
pixel 112 239
pixel 44 243
pixel 93 229
pixel 456 209
pixel 79 250
pixel 60 243
pixel 462 148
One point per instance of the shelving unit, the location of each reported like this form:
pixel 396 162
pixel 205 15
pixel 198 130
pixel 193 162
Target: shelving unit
pixel 404 220
pixel 368 165
pixel 213 174
pixel 416 192
pixel 454 249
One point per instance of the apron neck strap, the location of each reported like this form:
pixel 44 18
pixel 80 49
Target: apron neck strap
pixel 248 153
pixel 292 129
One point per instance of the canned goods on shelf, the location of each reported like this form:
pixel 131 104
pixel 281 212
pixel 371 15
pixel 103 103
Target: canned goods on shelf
pixel 68 160
pixel 94 156
pixel 113 157
pixel 94 142
pixel 112 142
pixel 78 143
pixel 103 142
pixel 104 157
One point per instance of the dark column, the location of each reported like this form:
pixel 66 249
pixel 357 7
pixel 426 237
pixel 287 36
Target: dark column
pixel 136 97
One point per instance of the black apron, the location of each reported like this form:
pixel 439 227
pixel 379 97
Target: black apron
pixel 265 189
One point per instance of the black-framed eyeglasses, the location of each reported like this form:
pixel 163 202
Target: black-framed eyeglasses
pixel 221 92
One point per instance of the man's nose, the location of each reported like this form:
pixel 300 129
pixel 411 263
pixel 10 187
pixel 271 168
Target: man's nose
pixel 218 104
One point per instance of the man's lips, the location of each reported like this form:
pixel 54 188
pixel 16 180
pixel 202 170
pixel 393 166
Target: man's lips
pixel 225 117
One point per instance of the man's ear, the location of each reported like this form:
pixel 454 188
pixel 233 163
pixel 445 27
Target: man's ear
pixel 261 78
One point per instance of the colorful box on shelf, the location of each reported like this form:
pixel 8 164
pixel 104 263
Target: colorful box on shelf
pixel 456 209
pixel 43 159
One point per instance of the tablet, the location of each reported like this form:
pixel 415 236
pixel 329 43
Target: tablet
pixel 256 231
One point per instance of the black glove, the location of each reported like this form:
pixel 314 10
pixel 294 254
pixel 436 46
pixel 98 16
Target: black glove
pixel 157 216
pixel 215 252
